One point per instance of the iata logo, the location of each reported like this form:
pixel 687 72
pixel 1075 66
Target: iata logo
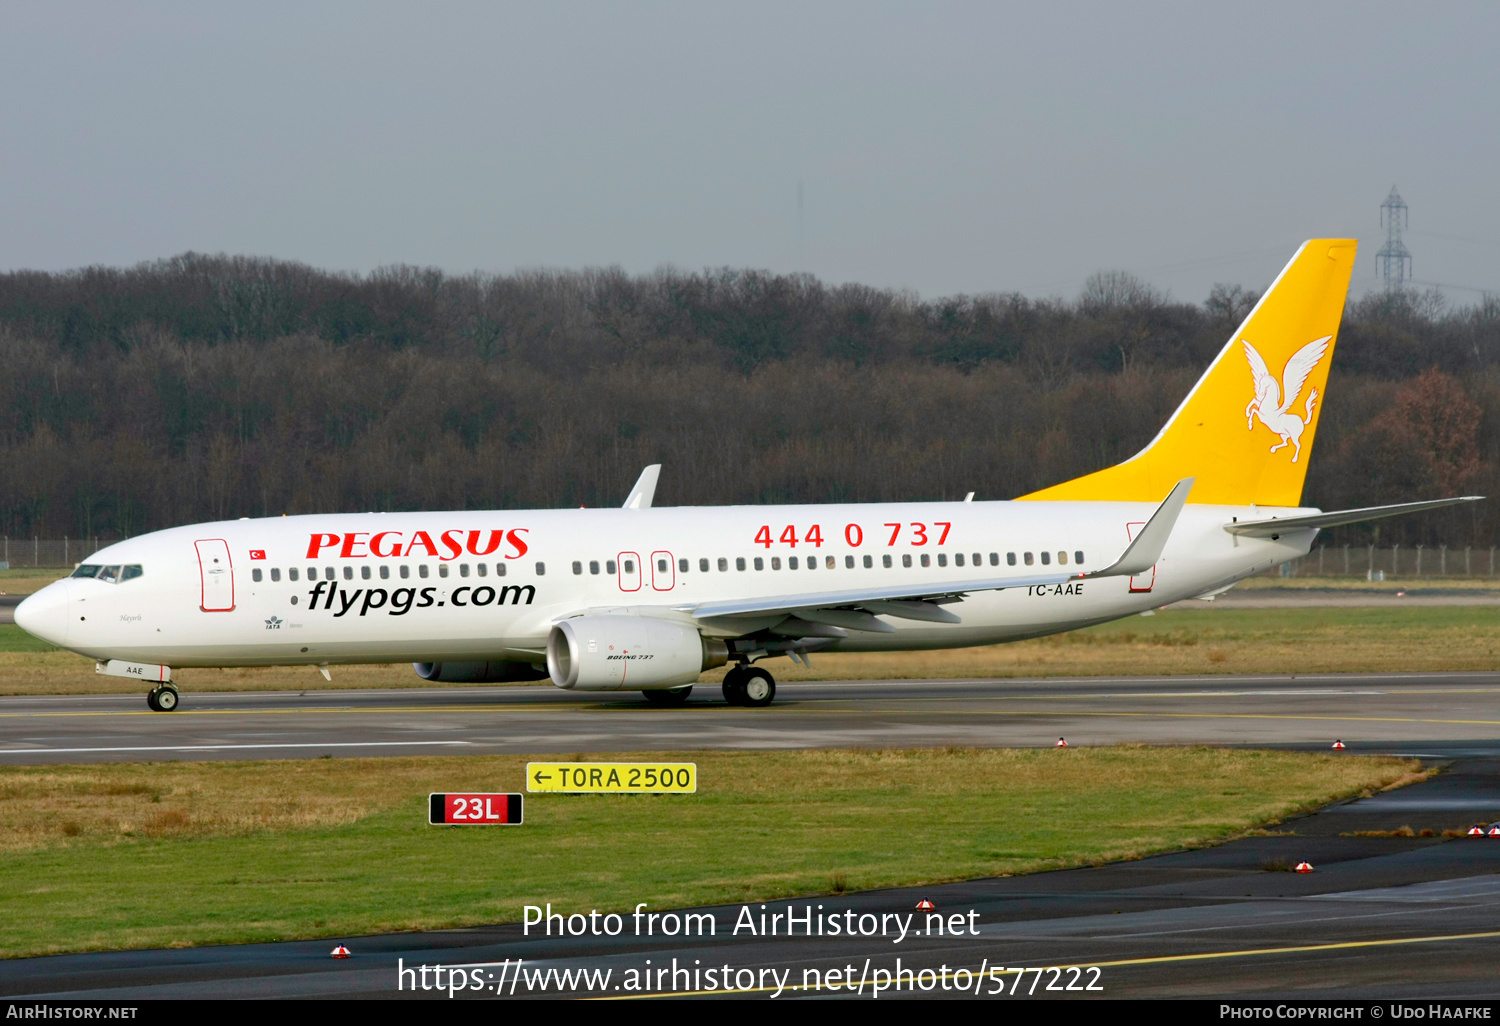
pixel 274 623
pixel 1273 399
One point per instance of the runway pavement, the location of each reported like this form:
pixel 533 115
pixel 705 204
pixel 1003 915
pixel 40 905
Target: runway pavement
pixel 1383 916
pixel 829 714
pixel 1380 917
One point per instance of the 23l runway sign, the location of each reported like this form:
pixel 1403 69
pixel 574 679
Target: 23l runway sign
pixel 475 809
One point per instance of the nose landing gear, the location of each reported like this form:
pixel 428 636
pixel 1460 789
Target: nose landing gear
pixel 162 699
pixel 749 686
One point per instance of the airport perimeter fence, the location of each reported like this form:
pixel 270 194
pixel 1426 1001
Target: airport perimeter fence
pixel 1367 562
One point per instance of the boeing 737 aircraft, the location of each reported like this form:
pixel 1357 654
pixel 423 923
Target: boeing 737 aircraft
pixel 647 599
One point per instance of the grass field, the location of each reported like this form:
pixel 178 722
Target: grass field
pixel 142 855
pixel 1174 641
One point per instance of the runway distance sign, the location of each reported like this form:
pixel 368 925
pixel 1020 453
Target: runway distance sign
pixel 613 777
pixel 474 809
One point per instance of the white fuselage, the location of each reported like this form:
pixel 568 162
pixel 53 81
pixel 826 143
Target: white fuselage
pixel 429 587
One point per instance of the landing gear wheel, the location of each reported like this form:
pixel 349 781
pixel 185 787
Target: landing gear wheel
pixel 151 701
pixel 734 686
pixel 758 688
pixel 668 696
pixel 162 699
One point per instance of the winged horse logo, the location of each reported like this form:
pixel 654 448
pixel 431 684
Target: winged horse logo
pixel 1269 404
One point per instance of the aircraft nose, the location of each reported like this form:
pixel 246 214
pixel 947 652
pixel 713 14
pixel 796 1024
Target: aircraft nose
pixel 45 614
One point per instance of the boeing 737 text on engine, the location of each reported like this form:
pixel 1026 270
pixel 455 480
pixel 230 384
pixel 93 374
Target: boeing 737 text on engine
pixel 647 599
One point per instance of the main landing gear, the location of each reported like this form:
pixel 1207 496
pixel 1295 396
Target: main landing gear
pixel 749 686
pixel 162 699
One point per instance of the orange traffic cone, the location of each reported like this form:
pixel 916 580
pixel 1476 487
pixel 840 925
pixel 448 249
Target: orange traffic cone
pixel 1338 746
pixel 340 952
pixel 925 906
pixel 1476 831
pixel 1304 867
pixel 1061 743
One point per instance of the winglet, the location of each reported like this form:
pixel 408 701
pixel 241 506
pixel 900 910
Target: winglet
pixel 645 488
pixel 1142 553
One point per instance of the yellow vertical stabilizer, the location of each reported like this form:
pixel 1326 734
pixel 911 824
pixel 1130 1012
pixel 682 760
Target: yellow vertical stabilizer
pixel 1246 429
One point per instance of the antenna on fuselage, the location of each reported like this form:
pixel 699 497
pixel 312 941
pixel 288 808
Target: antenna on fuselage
pixel 645 488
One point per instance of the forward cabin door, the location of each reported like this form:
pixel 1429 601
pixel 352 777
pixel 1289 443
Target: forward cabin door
pixel 1140 582
pixel 217 575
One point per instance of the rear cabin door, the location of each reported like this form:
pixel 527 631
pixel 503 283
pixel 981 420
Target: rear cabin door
pixel 1140 582
pixel 217 575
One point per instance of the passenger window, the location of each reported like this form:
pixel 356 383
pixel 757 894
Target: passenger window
pixel 349 572
pixel 977 561
pixel 1078 557
pixel 291 573
pixel 791 562
pixel 1027 559
pixel 661 566
pixel 404 571
pixel 630 566
pixel 703 566
pixel 328 573
pixel 422 570
pixel 577 568
pixel 812 562
pixel 829 564
pixel 500 570
pixel 254 574
pixel 541 569
pixel 906 559
pixel 1062 558
pixel 364 571
pixel 594 566
pixel 1010 559
pixel 442 569
pixel 275 572
pixel 848 562
pixel 958 559
pixel 995 559
pixel 87 570
pixel 885 561
pixel 463 569
pixel 926 559
pixel 1046 558
pixel 481 569
pixel 723 564
pixel 760 564
pixel 942 559
pixel 739 563
pixel 609 567
pixel 130 573
pixel 775 562
pixel 385 573
pixel 682 566
pixel 869 562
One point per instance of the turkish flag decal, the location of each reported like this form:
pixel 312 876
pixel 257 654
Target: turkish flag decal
pixel 257 553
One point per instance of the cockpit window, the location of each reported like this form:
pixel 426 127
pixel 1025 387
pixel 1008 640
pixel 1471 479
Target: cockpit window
pixel 111 574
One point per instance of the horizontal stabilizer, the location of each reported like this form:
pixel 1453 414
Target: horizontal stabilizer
pixel 1276 525
pixel 1145 550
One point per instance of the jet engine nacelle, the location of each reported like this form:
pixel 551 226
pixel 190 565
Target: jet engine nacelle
pixel 622 652
pixel 497 672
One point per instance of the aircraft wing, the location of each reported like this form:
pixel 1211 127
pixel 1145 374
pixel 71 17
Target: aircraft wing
pixel 1276 525
pixel 857 608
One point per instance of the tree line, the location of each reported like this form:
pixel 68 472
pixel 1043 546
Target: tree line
pixel 203 387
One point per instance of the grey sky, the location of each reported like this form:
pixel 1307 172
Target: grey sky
pixel 943 148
